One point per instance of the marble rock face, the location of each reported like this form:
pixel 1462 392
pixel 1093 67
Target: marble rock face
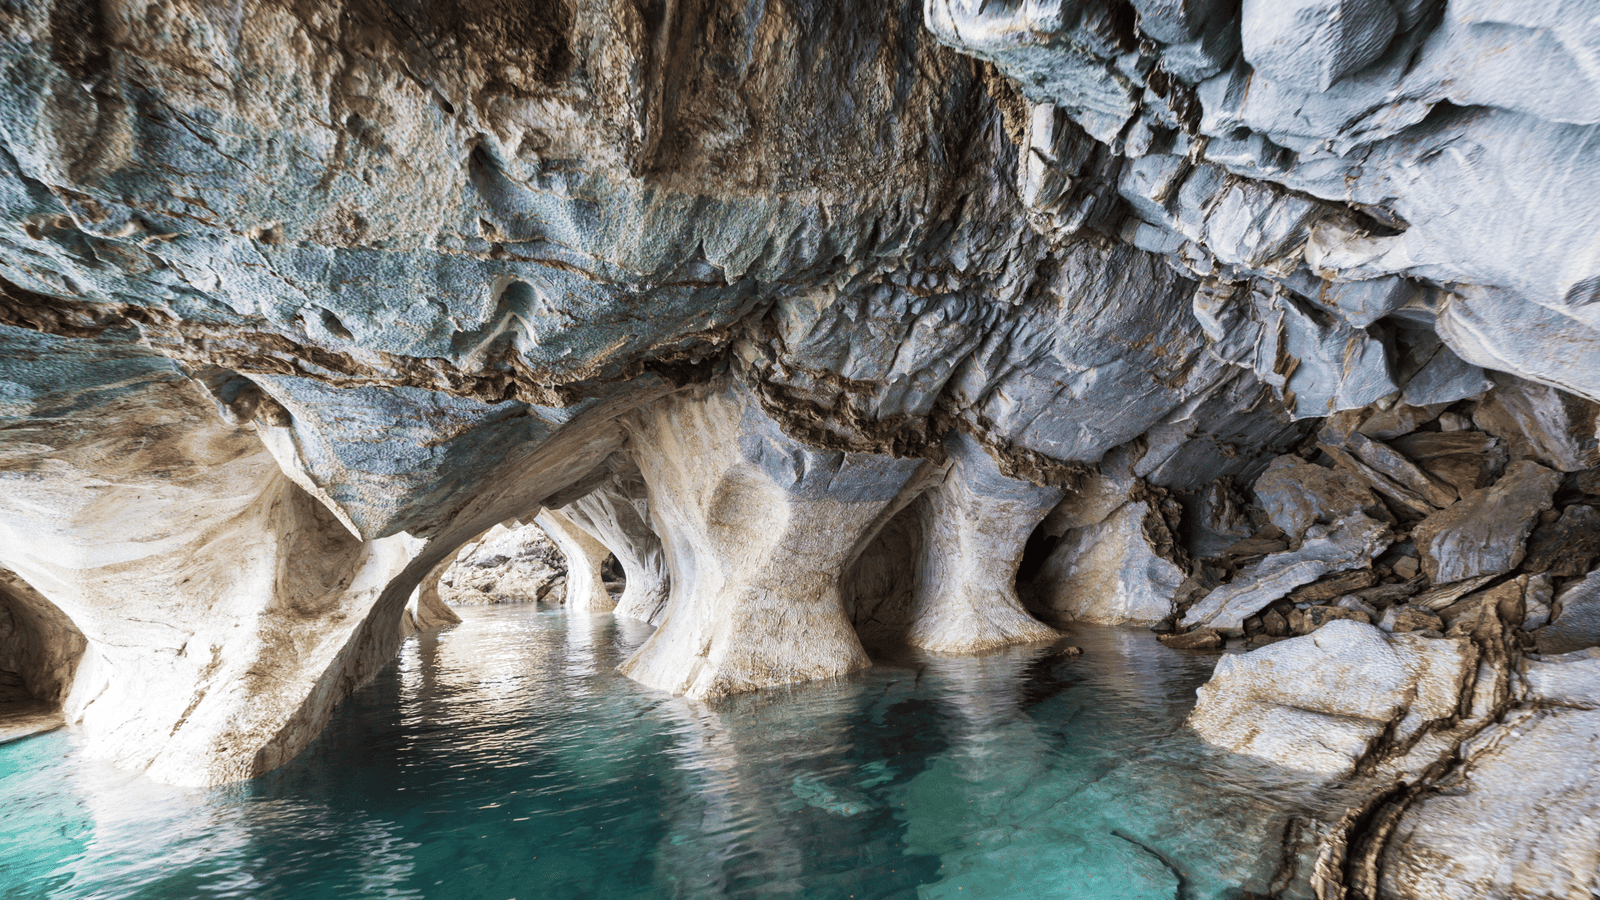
pixel 515 564
pixel 1486 533
pixel 1523 819
pixel 834 324
pixel 1320 703
pixel 1118 571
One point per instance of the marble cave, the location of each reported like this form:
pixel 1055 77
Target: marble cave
pixel 800 448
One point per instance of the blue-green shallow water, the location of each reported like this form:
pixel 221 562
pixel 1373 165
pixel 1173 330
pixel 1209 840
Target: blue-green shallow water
pixel 506 759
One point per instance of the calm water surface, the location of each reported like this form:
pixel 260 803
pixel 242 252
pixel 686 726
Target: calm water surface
pixel 506 759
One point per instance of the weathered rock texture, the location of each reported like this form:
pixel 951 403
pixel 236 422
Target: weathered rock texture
pixel 617 514
pixel 832 322
pixel 508 564
pixel 585 557
pixel 759 531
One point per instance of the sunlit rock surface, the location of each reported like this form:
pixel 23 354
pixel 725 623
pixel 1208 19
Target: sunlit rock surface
pixel 585 558
pixel 617 514
pixel 515 564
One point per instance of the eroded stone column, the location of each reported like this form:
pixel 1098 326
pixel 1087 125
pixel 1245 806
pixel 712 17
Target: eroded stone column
pixel 218 600
pixel 586 590
pixel 426 609
pixel 617 514
pixel 975 524
pixel 758 531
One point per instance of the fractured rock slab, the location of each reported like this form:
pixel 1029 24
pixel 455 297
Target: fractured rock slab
pixel 1297 494
pixel 1543 423
pixel 1484 533
pixel 1400 470
pixel 1524 821
pixel 1347 544
pixel 1465 460
pixel 1318 703
pixel 1310 44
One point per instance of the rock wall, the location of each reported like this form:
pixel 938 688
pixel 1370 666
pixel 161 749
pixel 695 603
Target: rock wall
pixel 940 322
pixel 512 563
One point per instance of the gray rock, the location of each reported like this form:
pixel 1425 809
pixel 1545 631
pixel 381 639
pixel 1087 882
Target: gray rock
pixel 1443 596
pixel 1398 419
pixel 1402 496
pixel 1567 547
pixel 1445 378
pixel 1347 544
pixel 1404 618
pixel 1576 624
pixel 516 564
pixel 1542 423
pixel 1401 471
pixel 1567 679
pixel 1176 21
pixel 1119 571
pixel 1296 495
pixel 1484 533
pixel 1525 820
pixel 1537 602
pixel 1215 517
pixel 1318 703
pixel 1310 44
pixel 1465 460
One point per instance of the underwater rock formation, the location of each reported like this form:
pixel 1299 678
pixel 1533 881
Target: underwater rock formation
pixel 835 323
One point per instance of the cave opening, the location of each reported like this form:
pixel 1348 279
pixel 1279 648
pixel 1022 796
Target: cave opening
pixel 40 650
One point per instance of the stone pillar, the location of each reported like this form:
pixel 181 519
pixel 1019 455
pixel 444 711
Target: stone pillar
pixel 975 524
pixel 221 605
pixel 758 531
pixel 586 590
pixel 425 609
pixel 617 514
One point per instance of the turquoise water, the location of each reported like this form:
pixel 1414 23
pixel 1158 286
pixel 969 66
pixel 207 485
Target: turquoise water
pixel 506 759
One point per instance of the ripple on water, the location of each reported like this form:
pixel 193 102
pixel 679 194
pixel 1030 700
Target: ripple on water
pixel 506 759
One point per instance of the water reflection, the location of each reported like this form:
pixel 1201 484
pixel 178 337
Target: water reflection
pixel 505 758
